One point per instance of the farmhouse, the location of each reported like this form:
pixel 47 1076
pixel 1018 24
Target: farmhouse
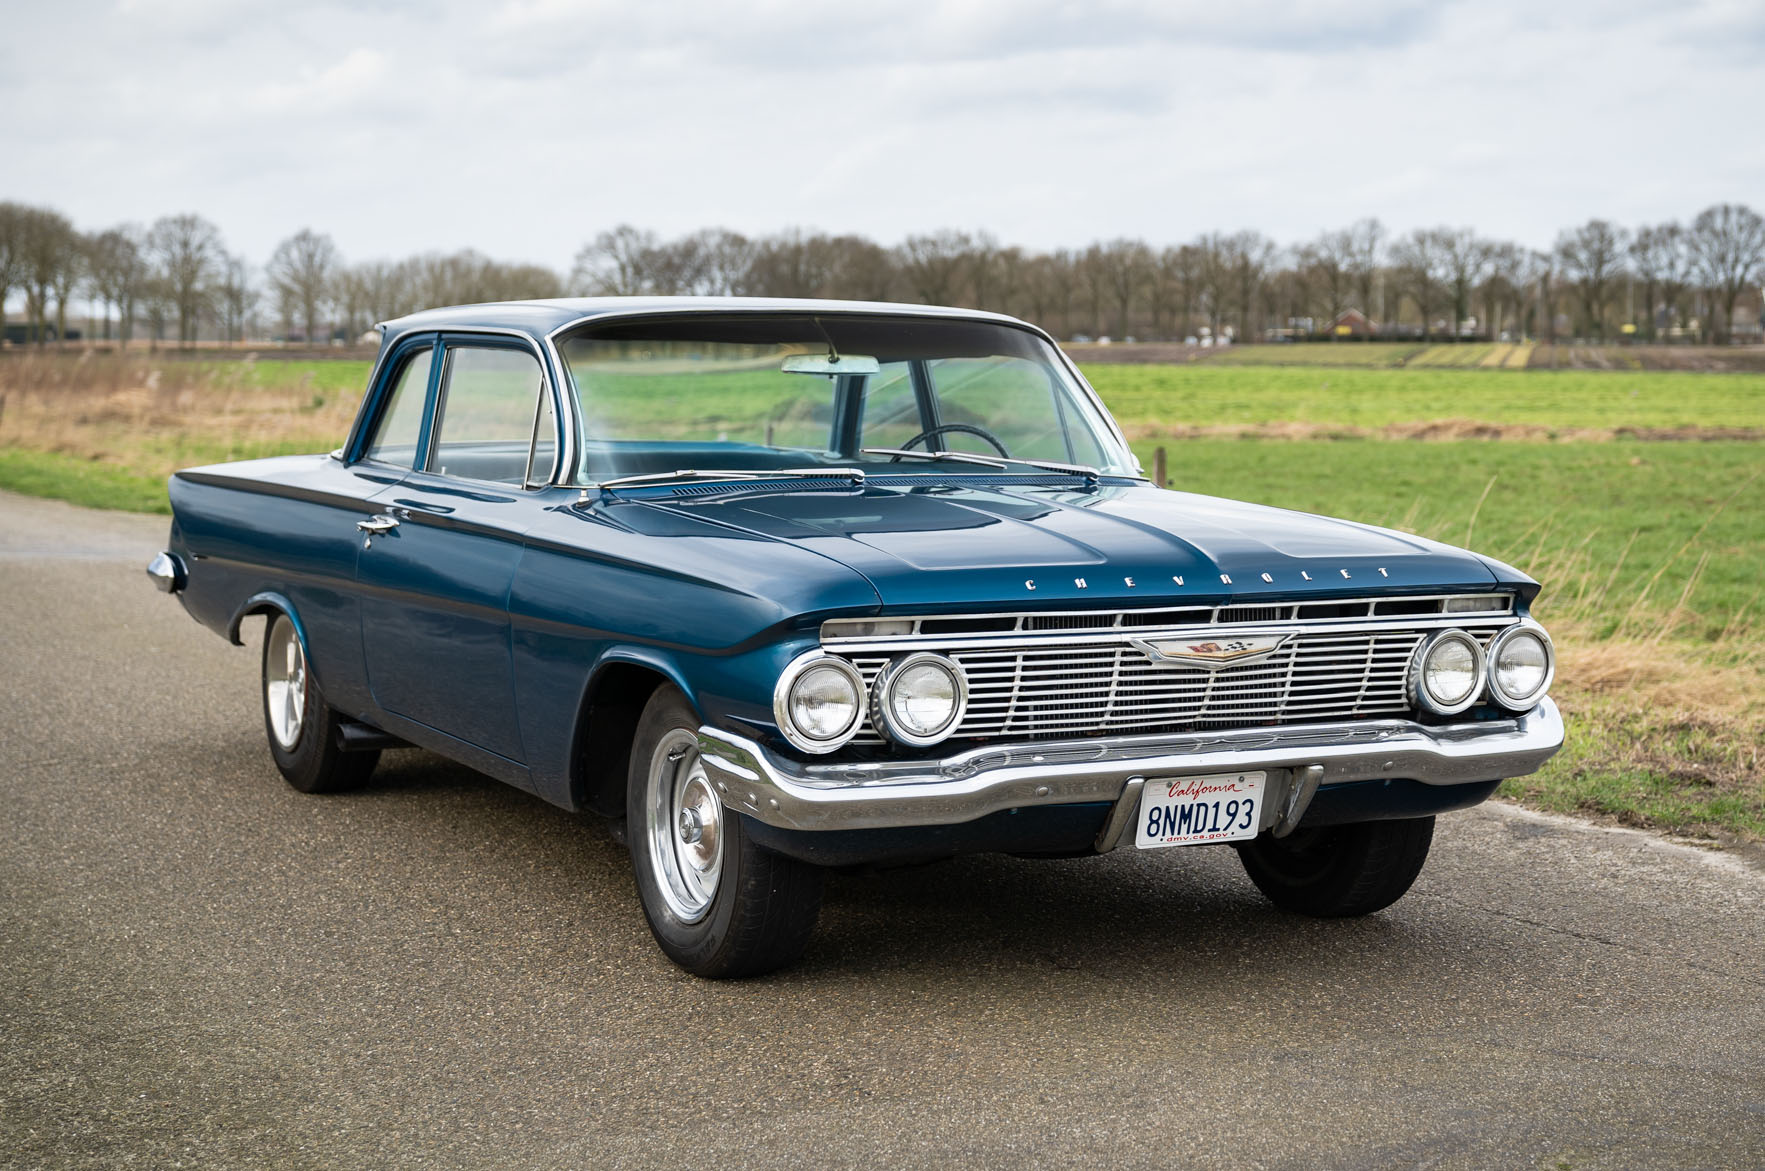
pixel 1351 323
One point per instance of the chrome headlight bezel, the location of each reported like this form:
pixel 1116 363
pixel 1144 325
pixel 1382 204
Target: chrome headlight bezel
pixel 1421 697
pixel 1525 626
pixel 882 713
pixel 781 701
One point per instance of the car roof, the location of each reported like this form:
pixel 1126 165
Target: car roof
pixel 538 319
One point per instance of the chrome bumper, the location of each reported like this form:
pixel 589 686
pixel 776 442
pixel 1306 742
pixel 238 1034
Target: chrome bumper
pixel 885 794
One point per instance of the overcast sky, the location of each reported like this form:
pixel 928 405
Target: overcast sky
pixel 522 128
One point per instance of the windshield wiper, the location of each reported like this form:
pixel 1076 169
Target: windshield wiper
pixel 1085 470
pixel 855 475
pixel 961 457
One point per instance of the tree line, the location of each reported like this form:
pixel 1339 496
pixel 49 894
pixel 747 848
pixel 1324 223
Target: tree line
pixel 176 280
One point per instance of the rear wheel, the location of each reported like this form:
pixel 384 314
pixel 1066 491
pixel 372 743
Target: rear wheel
pixel 719 905
pixel 301 727
pixel 1341 870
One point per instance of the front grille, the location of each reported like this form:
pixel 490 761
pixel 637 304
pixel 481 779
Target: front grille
pixel 1073 685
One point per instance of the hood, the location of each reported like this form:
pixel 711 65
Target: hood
pixel 945 545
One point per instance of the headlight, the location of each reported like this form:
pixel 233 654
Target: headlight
pixel 919 700
pixel 1447 673
pixel 818 702
pixel 1521 665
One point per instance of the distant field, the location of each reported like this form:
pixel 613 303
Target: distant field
pixel 1155 400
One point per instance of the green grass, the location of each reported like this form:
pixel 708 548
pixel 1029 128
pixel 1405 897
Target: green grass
pixel 1148 398
pixel 81 481
pixel 1615 531
pixel 1662 768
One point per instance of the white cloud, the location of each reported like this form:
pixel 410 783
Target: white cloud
pixel 523 128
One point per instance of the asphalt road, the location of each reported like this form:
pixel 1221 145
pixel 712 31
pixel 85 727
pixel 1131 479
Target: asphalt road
pixel 200 967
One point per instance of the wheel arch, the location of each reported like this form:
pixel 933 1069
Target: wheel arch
pixel 267 602
pixel 612 702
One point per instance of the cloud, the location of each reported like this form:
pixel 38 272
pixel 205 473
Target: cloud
pixel 524 127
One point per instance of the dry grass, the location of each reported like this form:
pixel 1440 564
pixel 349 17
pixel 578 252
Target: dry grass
pixel 156 415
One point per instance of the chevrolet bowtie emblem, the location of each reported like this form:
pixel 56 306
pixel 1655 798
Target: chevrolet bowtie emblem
pixel 1211 654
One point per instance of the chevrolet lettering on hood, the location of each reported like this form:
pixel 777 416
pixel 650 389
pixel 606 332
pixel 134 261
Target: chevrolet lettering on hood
pixel 785 587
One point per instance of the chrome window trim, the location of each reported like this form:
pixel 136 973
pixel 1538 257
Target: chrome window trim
pixel 859 309
pixel 1422 698
pixel 1550 666
pixel 781 708
pixel 882 715
pixel 545 354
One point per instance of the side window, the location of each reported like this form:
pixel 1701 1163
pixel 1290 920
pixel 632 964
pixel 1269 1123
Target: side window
pixel 395 442
pixel 491 399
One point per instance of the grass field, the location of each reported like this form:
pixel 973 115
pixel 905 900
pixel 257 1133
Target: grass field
pixel 1637 497
pixel 1151 401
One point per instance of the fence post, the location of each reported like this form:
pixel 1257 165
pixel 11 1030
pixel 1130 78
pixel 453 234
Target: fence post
pixel 1158 476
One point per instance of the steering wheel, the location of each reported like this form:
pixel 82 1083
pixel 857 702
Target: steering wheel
pixel 963 427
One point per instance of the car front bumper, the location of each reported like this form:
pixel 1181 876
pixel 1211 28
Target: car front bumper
pixel 1299 758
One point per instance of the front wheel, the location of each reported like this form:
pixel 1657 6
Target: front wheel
pixel 300 725
pixel 1341 870
pixel 719 905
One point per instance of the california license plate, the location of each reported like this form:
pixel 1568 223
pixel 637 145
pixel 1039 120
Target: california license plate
pixel 1192 811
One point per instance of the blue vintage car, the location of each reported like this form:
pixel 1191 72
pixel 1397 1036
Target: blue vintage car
pixel 779 586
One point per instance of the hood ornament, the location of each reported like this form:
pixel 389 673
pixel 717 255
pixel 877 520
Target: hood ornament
pixel 1210 654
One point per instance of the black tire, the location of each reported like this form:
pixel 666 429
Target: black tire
pixel 761 908
pixel 309 751
pixel 1341 870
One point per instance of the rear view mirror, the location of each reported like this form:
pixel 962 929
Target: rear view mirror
pixel 830 364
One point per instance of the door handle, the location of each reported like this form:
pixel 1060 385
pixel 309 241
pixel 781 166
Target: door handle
pixel 374 526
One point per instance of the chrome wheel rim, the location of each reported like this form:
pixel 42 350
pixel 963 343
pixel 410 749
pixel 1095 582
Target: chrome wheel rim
pixel 683 826
pixel 285 683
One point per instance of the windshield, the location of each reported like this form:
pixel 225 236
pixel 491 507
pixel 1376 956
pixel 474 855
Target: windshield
pixel 799 391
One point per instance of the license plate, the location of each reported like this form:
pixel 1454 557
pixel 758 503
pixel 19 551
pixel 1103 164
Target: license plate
pixel 1191 811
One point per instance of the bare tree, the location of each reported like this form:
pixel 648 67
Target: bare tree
pixel 1365 241
pixel 933 264
pixel 1729 242
pixel 1122 268
pixel 1465 259
pixel 303 271
pixel 187 249
pixel 234 297
pixel 1420 260
pixel 1662 261
pixel 69 275
pixel 1331 259
pixel 615 263
pixel 727 256
pixel 13 218
pixel 116 270
pixel 1592 257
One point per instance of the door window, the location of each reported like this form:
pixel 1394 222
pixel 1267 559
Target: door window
pixel 493 409
pixel 395 442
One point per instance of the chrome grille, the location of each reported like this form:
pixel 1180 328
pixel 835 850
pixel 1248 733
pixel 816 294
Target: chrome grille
pixel 1026 689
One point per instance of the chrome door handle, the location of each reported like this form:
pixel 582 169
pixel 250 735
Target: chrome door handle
pixel 376 525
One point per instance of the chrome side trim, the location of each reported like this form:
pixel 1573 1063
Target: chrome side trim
pixel 167 573
pixel 885 794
